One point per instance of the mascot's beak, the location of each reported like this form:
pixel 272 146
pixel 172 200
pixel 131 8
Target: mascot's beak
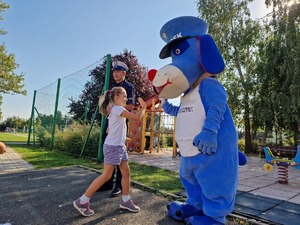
pixel 168 82
pixel 151 75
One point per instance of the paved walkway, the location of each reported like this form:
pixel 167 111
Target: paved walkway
pixel 259 194
pixel 11 161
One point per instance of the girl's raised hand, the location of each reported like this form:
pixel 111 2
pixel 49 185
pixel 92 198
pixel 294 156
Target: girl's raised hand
pixel 142 103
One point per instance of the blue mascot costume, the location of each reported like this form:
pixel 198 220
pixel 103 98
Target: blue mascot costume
pixel 205 131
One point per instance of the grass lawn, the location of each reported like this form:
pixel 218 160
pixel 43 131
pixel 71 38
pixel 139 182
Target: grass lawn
pixel 9 137
pixel 150 176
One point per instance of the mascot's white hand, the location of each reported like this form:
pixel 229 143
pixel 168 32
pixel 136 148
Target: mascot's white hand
pixel 162 101
pixel 206 142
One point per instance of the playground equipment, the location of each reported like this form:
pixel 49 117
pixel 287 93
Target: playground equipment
pixel 146 134
pixel 282 164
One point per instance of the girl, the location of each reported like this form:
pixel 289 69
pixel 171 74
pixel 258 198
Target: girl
pixel 114 150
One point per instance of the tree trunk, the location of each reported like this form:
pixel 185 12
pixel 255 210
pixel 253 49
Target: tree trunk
pixel 248 146
pixel 296 136
pixel 254 132
pixel 265 135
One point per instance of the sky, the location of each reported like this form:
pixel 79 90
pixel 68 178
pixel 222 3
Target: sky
pixel 52 39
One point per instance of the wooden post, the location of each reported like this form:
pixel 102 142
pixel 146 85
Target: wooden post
pixel 143 136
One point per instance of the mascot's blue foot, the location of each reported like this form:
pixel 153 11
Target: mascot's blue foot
pixel 242 159
pixel 202 220
pixel 180 210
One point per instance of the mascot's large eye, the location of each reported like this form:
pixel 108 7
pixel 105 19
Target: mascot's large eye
pixel 180 48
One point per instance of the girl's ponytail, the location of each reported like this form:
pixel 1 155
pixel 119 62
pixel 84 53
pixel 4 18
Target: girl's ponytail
pixel 109 97
pixel 107 100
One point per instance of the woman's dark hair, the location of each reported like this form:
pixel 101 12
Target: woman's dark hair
pixel 109 97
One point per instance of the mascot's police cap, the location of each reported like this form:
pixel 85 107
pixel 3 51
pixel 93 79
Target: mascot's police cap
pixel 178 29
pixel 118 65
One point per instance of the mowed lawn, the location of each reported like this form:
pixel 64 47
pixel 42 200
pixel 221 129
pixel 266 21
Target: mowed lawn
pixel 10 137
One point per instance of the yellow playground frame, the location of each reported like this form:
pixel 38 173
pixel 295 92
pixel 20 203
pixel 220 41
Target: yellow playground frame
pixel 147 133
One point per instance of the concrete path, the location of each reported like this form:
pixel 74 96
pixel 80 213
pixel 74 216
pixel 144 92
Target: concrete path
pixel 11 161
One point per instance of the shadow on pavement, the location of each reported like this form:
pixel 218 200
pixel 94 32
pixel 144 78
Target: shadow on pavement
pixel 46 196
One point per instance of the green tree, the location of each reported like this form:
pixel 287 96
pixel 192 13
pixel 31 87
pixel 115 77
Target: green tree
pixel 15 122
pixel 279 63
pixel 236 35
pixel 10 82
pixel 60 121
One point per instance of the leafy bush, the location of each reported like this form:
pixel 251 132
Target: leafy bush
pixel 71 140
pixel 163 141
pixel 166 141
pixel 241 145
pixel 43 137
pixel 170 141
pixel 254 146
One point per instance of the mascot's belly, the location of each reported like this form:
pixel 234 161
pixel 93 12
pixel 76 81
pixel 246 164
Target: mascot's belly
pixel 189 123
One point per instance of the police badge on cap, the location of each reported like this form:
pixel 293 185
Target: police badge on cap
pixel 118 65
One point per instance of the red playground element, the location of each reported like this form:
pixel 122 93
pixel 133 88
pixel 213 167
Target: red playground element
pixel 149 101
pixel 137 128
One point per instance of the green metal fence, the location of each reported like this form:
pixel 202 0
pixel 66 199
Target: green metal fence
pixel 51 119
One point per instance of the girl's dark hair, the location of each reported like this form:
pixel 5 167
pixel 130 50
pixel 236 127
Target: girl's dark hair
pixel 109 97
